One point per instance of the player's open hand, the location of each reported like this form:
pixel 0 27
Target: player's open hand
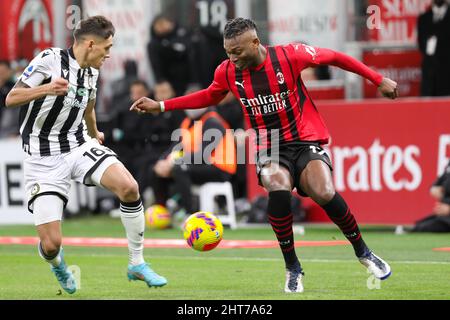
pixel 388 88
pixel 146 105
pixel 59 87
pixel 100 136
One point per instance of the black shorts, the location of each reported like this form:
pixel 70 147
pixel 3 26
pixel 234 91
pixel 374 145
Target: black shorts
pixel 295 158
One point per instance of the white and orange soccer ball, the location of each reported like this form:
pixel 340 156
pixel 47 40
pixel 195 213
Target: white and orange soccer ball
pixel 203 231
pixel 157 217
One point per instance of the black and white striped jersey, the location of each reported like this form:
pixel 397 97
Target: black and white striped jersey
pixel 54 125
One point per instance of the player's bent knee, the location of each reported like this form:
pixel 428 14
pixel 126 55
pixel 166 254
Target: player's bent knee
pixel 323 195
pixel 275 186
pixel 51 246
pixel 278 180
pixel 129 191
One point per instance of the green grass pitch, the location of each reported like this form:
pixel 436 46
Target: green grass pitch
pixel 332 273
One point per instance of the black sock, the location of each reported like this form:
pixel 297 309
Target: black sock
pixel 280 218
pixel 340 214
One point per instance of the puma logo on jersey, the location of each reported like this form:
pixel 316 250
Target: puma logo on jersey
pixel 241 84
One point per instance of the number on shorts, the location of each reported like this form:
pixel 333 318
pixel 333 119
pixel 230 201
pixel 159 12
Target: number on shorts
pixel 94 154
pixel 317 150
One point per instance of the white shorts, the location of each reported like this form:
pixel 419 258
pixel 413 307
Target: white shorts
pixel 51 175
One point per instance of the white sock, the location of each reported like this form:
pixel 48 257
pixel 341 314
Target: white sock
pixel 54 261
pixel 132 216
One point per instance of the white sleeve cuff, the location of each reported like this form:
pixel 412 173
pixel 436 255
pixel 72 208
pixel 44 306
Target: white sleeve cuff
pixel 162 106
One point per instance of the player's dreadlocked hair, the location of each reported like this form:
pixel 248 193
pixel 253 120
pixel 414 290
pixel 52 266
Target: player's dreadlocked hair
pixel 238 26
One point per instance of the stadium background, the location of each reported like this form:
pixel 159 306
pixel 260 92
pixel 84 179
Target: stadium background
pixel 386 154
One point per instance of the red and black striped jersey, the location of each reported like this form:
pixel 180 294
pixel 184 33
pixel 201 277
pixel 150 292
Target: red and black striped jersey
pixel 273 95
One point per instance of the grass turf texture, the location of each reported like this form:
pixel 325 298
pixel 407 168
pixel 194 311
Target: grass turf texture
pixel 332 273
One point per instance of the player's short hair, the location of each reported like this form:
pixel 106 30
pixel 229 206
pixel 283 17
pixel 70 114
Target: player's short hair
pixel 238 26
pixel 97 26
pixel 139 82
pixel 163 16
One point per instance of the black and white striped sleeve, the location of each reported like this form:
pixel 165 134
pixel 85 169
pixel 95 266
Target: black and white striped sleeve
pixel 39 69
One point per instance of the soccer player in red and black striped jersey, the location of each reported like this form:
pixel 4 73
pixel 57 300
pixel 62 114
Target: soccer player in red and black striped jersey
pixel 267 82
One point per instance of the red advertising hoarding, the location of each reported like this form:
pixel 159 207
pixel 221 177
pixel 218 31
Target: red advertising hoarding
pixel 404 66
pixel 26 28
pixel 385 155
pixel 327 93
pixel 395 20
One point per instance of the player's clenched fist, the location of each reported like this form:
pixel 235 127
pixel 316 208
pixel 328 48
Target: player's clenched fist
pixel 146 105
pixel 59 87
pixel 388 88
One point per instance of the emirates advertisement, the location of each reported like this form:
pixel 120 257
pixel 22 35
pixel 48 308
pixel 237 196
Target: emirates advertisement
pixel 26 28
pixel 386 155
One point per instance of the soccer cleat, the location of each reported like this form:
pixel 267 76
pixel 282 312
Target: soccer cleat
pixel 145 273
pixel 65 277
pixel 294 280
pixel 377 266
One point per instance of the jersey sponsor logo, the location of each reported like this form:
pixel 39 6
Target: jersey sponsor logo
pixel 82 92
pixel 73 103
pixel 266 104
pixel 65 72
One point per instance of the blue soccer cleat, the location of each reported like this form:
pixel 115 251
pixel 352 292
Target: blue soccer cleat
pixel 376 266
pixel 145 273
pixel 65 277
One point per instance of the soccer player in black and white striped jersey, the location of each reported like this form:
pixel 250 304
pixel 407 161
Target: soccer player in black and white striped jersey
pixel 57 92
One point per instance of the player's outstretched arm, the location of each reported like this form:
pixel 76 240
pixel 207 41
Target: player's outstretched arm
pixel 22 94
pixel 313 56
pixel 200 99
pixel 195 100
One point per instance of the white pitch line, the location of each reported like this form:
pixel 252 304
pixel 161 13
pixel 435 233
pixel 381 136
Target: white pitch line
pixel 251 259
pixel 301 260
pixel 280 260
